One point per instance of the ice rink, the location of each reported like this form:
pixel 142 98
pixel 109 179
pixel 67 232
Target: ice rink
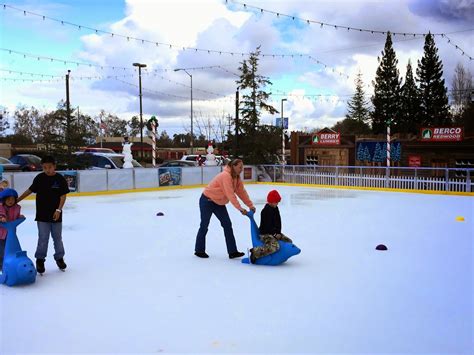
pixel 133 284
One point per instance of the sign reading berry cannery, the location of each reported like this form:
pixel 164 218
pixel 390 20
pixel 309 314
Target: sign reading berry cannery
pixel 442 134
pixel 326 138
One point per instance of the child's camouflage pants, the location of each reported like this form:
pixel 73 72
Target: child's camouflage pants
pixel 270 244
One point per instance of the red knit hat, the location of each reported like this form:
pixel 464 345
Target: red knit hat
pixel 273 197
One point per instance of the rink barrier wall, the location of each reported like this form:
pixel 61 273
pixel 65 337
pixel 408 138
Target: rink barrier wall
pixel 116 181
pixel 398 179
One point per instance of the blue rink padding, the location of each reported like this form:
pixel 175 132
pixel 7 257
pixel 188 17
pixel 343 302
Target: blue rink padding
pixel 18 269
pixel 286 251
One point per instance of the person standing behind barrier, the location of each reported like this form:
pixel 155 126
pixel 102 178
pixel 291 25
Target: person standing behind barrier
pixel 51 189
pixel 222 189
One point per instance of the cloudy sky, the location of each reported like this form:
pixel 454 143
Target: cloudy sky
pixel 331 57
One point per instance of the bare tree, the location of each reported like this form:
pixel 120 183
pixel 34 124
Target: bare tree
pixel 213 127
pixel 461 89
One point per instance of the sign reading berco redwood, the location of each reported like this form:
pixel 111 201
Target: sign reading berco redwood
pixel 441 134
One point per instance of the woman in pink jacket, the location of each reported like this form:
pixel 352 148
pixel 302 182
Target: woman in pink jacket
pixel 222 189
pixel 9 211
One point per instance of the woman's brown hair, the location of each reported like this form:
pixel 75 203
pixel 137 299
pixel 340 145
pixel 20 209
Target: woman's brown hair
pixel 232 164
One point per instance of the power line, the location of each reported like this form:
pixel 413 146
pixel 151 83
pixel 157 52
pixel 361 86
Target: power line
pixel 350 28
pixel 172 95
pixel 65 61
pixel 158 44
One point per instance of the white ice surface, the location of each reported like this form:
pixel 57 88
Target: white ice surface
pixel 133 284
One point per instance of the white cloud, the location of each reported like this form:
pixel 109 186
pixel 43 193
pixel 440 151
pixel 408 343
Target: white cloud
pixel 210 24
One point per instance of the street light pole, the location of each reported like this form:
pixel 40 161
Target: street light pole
pixel 68 113
pixel 140 66
pixel 192 133
pixel 282 135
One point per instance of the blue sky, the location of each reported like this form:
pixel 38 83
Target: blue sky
pixel 211 24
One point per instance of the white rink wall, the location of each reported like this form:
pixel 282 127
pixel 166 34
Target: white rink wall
pixel 126 179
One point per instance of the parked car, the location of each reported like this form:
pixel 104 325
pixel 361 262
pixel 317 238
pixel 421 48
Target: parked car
pixel 99 150
pixel 201 159
pixel 27 162
pixel 105 161
pixel 8 165
pixel 178 163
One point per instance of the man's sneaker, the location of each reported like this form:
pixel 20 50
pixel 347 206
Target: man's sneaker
pixel 236 254
pixel 201 254
pixel 61 264
pixel 40 266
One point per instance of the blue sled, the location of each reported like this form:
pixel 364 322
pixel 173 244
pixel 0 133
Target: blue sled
pixel 286 251
pixel 18 269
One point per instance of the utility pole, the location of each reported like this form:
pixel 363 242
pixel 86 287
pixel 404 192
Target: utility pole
pixel 236 143
pixel 68 117
pixel 192 132
pixel 283 162
pixel 140 66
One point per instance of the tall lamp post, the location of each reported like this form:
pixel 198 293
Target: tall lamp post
pixel 282 135
pixel 192 135
pixel 140 66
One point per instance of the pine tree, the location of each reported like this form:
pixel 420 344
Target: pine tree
pixel 434 99
pixel 410 118
pixel 367 156
pixel 395 151
pixel 357 108
pixel 378 154
pixel 257 144
pixel 255 100
pixel 386 99
pixel 360 152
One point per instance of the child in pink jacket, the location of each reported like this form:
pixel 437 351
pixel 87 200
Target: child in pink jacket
pixel 9 211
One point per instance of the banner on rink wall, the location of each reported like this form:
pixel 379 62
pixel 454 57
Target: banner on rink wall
pixel 247 173
pixel 71 179
pixel 169 176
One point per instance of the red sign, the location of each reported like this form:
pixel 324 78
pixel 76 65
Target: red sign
pixel 326 138
pixel 441 134
pixel 414 161
pixel 247 173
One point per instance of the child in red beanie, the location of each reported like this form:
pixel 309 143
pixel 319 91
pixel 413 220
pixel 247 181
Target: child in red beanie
pixel 270 228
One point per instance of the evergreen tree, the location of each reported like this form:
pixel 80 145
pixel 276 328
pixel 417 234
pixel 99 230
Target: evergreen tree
pixel 164 140
pixel 360 152
pixel 357 108
pixel 386 99
pixel 378 154
pixel 434 99
pixel 410 118
pixel 395 151
pixel 351 126
pixel 255 97
pixel 257 144
pixel 367 156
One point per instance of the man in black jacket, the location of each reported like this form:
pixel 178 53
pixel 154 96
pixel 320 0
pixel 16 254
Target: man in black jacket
pixel 270 228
